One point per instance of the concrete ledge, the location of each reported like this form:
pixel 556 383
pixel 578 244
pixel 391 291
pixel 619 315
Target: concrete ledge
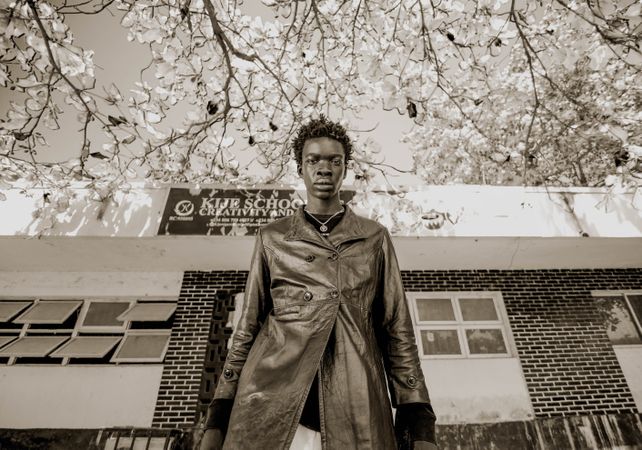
pixel 621 431
pixel 46 439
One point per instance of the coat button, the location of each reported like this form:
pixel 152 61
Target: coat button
pixel 334 256
pixel 227 373
pixel 307 296
pixel 309 258
pixel 412 381
pixel 334 294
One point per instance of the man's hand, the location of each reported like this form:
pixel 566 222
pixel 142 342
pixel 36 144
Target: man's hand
pixel 423 445
pixel 212 440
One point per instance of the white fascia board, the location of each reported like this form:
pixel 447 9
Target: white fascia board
pixel 174 254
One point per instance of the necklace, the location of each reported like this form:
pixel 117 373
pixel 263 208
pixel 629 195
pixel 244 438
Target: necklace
pixel 323 228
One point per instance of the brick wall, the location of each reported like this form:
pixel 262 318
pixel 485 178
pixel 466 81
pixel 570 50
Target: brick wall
pixel 569 364
pixel 568 361
pixel 198 335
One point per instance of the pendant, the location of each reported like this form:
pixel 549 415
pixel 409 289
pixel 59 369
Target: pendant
pixel 323 228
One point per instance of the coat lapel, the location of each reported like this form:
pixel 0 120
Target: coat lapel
pixel 348 229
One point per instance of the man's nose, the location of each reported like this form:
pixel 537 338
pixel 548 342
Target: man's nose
pixel 324 168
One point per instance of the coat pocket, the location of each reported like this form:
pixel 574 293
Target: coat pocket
pixel 287 313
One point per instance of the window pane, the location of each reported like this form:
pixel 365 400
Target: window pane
pixel 142 346
pixel 48 312
pixel 34 346
pixel 478 309
pixel 636 305
pixel 617 319
pixel 104 314
pixel 155 312
pixel 10 309
pixel 435 309
pixel 87 347
pixel 440 342
pixel 485 341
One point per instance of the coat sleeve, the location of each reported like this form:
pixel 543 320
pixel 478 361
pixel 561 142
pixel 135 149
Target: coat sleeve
pixel 256 306
pixel 395 333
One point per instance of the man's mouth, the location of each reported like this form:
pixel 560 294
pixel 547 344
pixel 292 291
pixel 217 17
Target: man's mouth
pixel 323 185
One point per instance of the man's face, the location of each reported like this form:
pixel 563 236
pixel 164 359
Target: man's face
pixel 323 167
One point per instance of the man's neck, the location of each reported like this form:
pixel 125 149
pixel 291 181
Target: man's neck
pixel 323 206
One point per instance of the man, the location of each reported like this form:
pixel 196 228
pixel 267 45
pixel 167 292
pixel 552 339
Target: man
pixel 324 321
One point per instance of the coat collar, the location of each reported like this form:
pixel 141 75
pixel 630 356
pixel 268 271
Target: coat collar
pixel 348 229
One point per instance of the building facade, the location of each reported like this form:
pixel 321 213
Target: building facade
pixel 527 306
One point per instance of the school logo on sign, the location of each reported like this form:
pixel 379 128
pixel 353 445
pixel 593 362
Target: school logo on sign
pixel 184 208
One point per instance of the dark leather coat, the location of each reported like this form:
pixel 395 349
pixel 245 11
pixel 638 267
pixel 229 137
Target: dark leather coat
pixel 305 293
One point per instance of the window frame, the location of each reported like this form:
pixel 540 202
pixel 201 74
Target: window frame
pixel 56 352
pixel 63 340
pixel 11 337
pixel 103 328
pixel 623 294
pixel 117 360
pixel 501 323
pixel 39 301
pixel 148 302
pixel 26 304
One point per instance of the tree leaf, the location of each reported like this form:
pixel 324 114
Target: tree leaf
pixel 115 121
pixel 412 110
pixel 129 139
pixel 212 107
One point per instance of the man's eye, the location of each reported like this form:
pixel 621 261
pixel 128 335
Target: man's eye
pixel 337 161
pixel 311 161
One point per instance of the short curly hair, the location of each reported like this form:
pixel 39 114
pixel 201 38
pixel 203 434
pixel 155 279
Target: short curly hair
pixel 321 127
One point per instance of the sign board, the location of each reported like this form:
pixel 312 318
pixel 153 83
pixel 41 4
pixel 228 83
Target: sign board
pixel 228 212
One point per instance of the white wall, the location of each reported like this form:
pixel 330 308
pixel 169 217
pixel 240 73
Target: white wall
pixel 78 396
pixel 630 358
pixel 89 284
pixel 477 390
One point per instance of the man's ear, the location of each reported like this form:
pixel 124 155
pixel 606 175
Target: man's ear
pixel 299 170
